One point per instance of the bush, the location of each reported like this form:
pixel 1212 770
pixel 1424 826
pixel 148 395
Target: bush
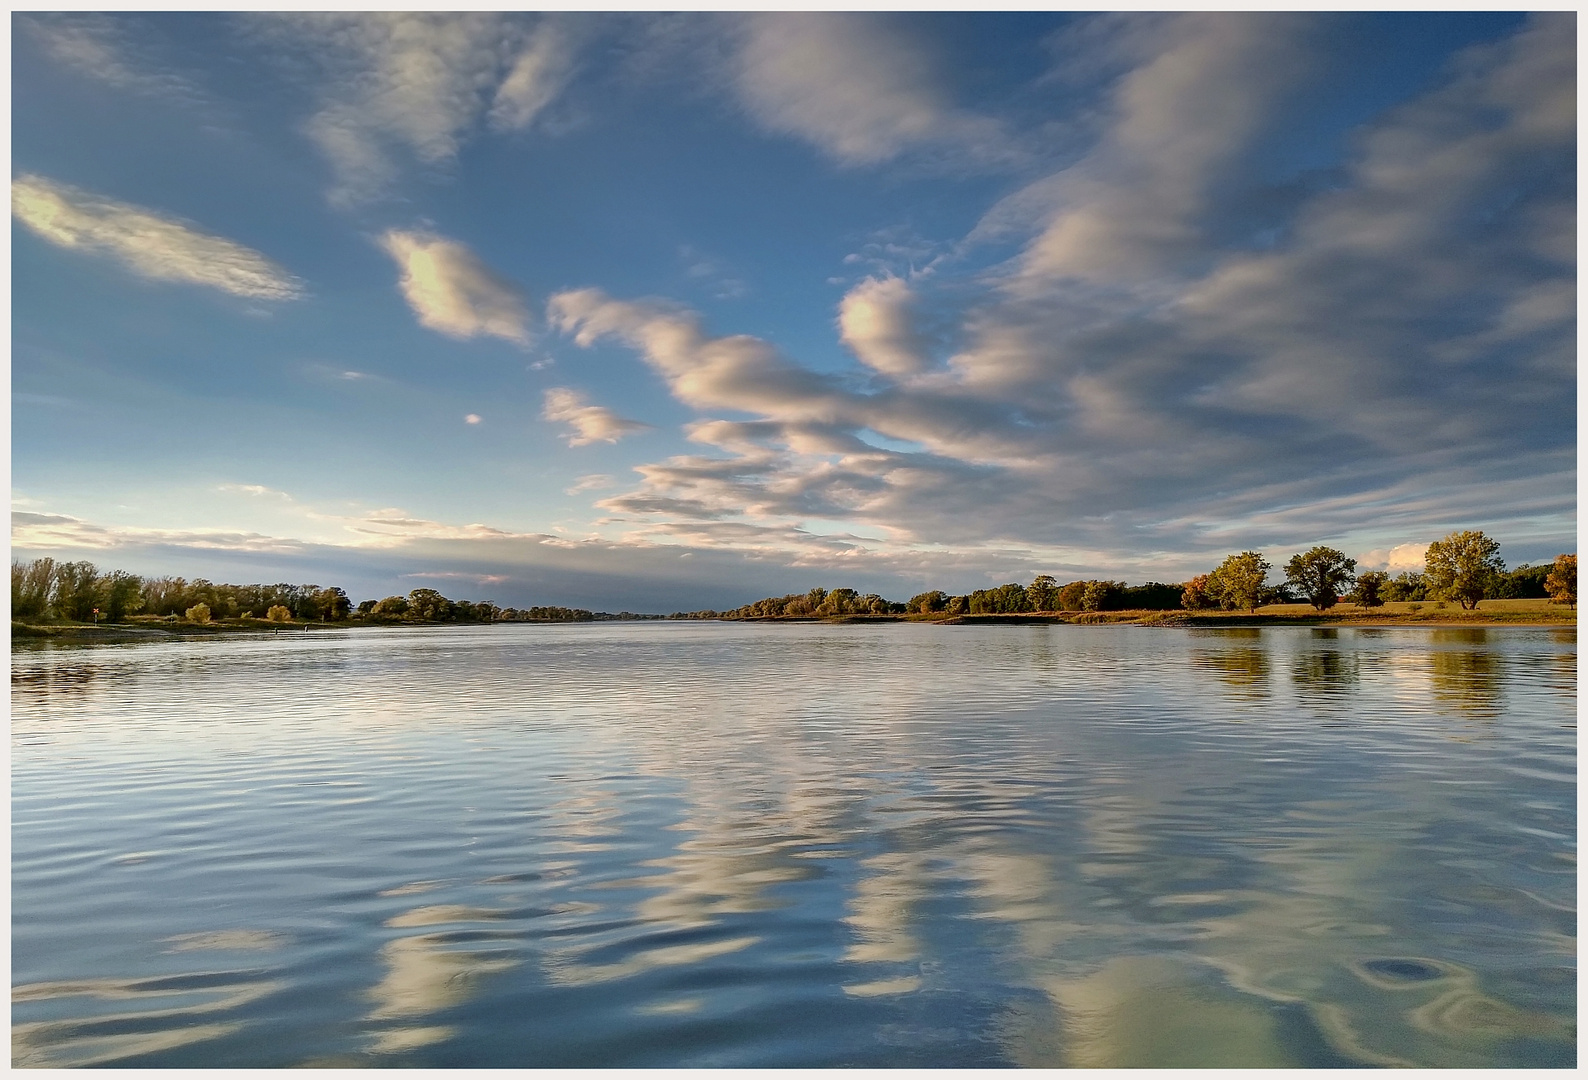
pixel 277 613
pixel 198 613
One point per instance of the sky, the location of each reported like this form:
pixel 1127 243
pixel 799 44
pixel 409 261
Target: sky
pixel 667 312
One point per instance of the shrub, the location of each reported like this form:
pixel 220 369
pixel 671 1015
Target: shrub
pixel 278 613
pixel 198 613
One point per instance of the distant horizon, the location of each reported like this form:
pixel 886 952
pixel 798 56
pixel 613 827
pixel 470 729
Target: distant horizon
pixel 660 311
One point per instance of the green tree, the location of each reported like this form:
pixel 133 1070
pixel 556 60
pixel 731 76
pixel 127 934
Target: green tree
pixel 332 605
pixel 1043 594
pixel 1407 585
pixel 1238 582
pixel 393 607
pixel 1369 588
pixel 1562 580
pixel 1524 583
pixel 1153 596
pixel 427 605
pixel 123 595
pixel 1463 567
pixel 927 602
pixel 76 592
pixel 1102 595
pixel 1320 574
pixel 198 613
pixel 30 587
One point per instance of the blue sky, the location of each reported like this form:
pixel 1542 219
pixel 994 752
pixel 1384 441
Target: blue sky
pixel 655 311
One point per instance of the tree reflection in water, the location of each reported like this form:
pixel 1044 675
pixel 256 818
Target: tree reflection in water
pixel 1322 669
pixel 1244 668
pixel 1465 673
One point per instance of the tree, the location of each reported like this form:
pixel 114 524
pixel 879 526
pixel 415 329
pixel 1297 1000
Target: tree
pixel 927 602
pixel 332 605
pixel 1238 581
pixel 1405 586
pixel 1463 566
pixel 199 613
pixel 1562 580
pixel 1070 596
pixel 391 607
pixel 279 613
pixel 1102 595
pixel 1524 583
pixel 1320 574
pixel 427 605
pixel 76 592
pixel 1043 594
pixel 1196 596
pixel 1369 588
pixel 123 593
pixel 1153 596
pixel 30 587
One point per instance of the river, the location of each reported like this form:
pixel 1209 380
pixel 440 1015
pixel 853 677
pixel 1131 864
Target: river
pixel 718 844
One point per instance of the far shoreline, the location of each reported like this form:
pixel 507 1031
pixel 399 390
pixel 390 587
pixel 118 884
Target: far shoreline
pixel 23 634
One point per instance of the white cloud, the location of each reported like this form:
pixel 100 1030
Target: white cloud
pixel 855 87
pixel 1395 560
pixel 589 423
pixel 473 418
pixel 149 244
pixel 419 84
pixel 453 292
pixel 876 321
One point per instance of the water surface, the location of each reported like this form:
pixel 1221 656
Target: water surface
pixel 798 845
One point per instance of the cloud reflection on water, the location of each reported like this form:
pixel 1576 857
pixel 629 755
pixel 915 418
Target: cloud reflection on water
pixel 1056 827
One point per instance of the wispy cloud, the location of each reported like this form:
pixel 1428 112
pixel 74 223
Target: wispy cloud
pixel 62 532
pixel 453 292
pixel 544 64
pixel 147 243
pixel 590 482
pixel 1145 377
pixel 589 423
pixel 102 48
pixel 855 87
pixel 418 85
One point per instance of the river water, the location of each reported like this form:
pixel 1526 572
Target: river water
pixel 702 844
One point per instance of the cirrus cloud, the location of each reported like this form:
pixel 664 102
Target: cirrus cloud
pixel 418 84
pixel 146 242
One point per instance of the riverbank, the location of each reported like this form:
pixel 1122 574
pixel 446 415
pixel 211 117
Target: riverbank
pixel 117 633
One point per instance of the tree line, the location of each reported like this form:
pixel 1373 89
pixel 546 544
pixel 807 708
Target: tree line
pixel 1465 567
pixel 81 592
